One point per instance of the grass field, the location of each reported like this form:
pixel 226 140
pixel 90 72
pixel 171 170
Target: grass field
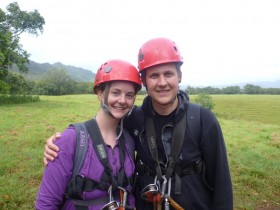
pixel 251 126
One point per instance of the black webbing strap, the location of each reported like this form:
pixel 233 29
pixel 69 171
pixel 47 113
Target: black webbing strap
pixel 151 137
pixel 121 173
pixel 74 189
pixel 81 148
pixel 78 183
pixel 100 149
pixel 193 118
pixel 176 145
pixel 83 204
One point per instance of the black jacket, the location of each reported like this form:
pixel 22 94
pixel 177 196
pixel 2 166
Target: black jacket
pixel 213 190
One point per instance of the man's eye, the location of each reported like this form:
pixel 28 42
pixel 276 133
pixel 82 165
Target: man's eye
pixel 169 74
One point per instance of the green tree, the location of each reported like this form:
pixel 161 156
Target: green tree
pixel 57 82
pixel 231 90
pixel 252 89
pixel 4 87
pixel 83 88
pixel 205 100
pixel 18 85
pixel 13 23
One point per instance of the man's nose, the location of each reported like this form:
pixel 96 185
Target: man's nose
pixel 162 80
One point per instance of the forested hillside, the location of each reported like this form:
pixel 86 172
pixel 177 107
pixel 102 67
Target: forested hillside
pixel 38 70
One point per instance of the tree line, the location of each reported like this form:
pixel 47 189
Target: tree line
pixel 247 89
pixel 58 82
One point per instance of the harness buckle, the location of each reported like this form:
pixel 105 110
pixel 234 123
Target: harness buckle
pixel 112 205
pixel 148 192
pixel 123 198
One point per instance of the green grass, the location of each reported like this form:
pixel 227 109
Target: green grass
pixel 253 108
pixel 251 126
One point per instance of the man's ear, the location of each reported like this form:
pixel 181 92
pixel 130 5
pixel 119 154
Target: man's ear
pixel 180 77
pixel 143 79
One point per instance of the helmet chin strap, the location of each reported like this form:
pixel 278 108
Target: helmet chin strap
pixel 104 104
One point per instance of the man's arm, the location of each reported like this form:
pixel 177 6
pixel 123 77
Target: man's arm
pixel 51 150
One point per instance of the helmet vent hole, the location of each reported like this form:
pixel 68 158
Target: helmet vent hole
pixel 141 57
pixel 108 69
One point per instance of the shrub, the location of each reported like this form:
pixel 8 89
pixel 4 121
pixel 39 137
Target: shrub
pixel 205 100
pixel 17 99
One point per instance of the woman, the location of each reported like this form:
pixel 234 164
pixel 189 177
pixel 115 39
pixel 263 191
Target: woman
pixel 116 84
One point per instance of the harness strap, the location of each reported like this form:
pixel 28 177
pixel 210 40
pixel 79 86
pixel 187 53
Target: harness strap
pixel 78 183
pixel 176 145
pixel 100 149
pixel 80 153
pixel 195 168
pixel 193 118
pixel 86 184
pixel 151 137
pixel 83 204
pixel 121 174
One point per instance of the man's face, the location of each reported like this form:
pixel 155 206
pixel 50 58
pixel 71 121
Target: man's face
pixel 162 83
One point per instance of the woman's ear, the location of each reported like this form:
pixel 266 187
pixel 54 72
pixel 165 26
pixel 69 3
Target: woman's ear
pixel 100 95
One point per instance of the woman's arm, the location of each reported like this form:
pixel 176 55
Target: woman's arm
pixel 58 173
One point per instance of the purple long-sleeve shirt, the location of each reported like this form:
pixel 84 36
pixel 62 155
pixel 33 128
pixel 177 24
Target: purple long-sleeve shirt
pixel 58 173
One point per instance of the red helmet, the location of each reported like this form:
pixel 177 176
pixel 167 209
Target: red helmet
pixel 117 70
pixel 158 51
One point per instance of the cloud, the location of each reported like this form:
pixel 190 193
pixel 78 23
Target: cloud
pixel 221 41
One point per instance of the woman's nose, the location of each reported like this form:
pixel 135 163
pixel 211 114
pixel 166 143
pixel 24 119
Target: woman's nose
pixel 122 98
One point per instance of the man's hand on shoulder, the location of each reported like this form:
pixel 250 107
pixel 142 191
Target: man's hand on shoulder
pixel 51 150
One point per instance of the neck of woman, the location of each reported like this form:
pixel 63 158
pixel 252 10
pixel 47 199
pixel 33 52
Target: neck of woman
pixel 108 127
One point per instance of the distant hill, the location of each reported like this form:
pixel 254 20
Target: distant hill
pixel 37 71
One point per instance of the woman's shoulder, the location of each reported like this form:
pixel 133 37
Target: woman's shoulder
pixel 67 141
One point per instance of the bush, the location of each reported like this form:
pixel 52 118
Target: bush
pixel 205 100
pixel 17 99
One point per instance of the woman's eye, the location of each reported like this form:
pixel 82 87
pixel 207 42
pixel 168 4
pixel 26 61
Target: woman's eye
pixel 130 96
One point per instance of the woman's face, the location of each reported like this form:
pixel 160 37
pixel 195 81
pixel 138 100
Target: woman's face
pixel 121 98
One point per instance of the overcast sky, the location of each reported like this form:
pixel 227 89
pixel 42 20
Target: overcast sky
pixel 222 41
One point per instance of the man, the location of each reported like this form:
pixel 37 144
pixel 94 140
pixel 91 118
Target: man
pixel 171 161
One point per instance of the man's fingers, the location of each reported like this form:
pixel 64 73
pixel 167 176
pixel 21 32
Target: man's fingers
pixel 45 161
pixel 56 136
pixel 50 147
pixel 50 151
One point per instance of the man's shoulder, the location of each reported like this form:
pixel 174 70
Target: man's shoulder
pixel 135 119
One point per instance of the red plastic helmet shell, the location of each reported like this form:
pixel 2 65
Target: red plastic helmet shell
pixel 117 70
pixel 158 51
